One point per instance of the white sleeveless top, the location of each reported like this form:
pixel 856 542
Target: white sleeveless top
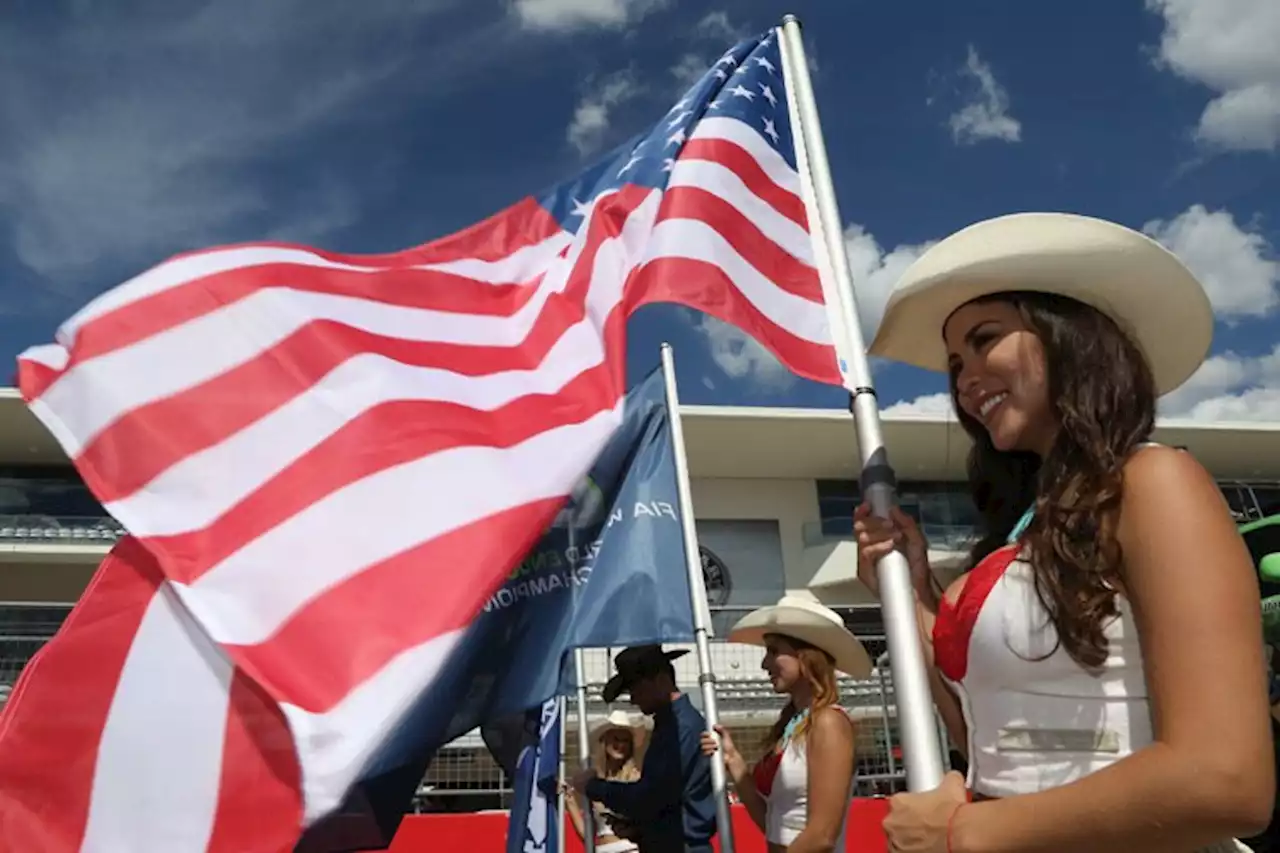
pixel 787 806
pixel 1036 722
pixel 1036 719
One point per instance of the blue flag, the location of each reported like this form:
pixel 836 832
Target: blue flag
pixel 611 571
pixel 535 819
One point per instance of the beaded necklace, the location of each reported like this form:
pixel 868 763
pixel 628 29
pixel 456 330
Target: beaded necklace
pixel 790 729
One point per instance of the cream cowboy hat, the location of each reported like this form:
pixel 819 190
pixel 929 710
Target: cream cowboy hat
pixel 811 622
pixel 617 719
pixel 1124 274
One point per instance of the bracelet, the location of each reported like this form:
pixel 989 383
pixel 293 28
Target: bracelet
pixel 951 822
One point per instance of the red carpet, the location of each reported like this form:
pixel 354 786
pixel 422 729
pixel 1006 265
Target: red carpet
pixel 486 832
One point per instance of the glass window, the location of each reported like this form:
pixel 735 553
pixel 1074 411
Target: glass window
pixel 837 499
pixel 1268 498
pixel 948 517
pixel 1239 500
pixel 944 510
pixel 742 564
pixel 48 496
pixel 910 500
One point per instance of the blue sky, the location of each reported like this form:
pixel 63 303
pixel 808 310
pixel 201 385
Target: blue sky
pixel 133 129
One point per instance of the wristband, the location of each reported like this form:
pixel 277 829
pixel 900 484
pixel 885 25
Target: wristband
pixel 951 822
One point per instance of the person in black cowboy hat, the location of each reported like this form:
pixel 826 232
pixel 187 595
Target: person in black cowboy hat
pixel 671 808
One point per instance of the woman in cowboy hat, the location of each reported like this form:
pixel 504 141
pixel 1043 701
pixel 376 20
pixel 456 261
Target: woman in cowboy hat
pixel 798 794
pixel 618 744
pixel 1099 664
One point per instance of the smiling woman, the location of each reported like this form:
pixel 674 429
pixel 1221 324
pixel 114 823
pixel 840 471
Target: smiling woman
pixel 1110 617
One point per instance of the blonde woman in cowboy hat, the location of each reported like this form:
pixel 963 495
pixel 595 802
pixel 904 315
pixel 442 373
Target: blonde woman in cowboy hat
pixel 1099 664
pixel 618 744
pixel 798 794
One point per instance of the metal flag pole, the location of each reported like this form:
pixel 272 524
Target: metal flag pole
pixel 561 841
pixel 697 597
pixel 584 748
pixel 921 755
pixel 881 663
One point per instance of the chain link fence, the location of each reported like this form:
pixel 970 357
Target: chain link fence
pixel 464 777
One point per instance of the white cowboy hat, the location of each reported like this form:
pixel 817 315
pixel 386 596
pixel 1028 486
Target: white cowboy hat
pixel 811 622
pixel 1126 275
pixel 618 720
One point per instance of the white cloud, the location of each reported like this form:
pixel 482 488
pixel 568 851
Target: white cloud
pixel 927 405
pixel 1237 267
pixel 874 273
pixel 1232 47
pixel 986 115
pixel 1229 387
pixel 716 25
pixel 741 356
pixel 689 69
pixel 594 113
pixel 128 135
pixel 564 15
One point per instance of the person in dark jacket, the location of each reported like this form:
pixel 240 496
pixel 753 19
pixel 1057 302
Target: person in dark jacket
pixel 671 808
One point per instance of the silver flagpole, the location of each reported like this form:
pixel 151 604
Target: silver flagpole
pixel 922 757
pixel 697 597
pixel 584 749
pixel 561 841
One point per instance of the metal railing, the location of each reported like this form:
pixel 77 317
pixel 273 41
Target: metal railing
pixel 464 776
pixel 24 628
pixel 63 529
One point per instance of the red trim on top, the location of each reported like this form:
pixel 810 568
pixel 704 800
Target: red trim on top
pixel 765 770
pixel 953 628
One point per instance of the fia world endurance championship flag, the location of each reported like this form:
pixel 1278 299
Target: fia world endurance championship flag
pixel 535 818
pixel 610 571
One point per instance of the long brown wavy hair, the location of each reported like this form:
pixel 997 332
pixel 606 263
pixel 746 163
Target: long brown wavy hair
pixel 816 667
pixel 1104 399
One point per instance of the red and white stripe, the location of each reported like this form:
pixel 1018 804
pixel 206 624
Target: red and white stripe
pixel 327 463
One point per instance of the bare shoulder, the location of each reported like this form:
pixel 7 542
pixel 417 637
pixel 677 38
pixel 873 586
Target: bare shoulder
pixel 1175 525
pixel 1156 466
pixel 832 723
pixel 1163 485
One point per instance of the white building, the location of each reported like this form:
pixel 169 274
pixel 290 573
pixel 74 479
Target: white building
pixel 773 491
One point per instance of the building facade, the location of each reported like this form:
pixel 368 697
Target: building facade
pixel 774 492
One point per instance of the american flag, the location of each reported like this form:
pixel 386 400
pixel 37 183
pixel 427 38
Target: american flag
pixel 326 463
